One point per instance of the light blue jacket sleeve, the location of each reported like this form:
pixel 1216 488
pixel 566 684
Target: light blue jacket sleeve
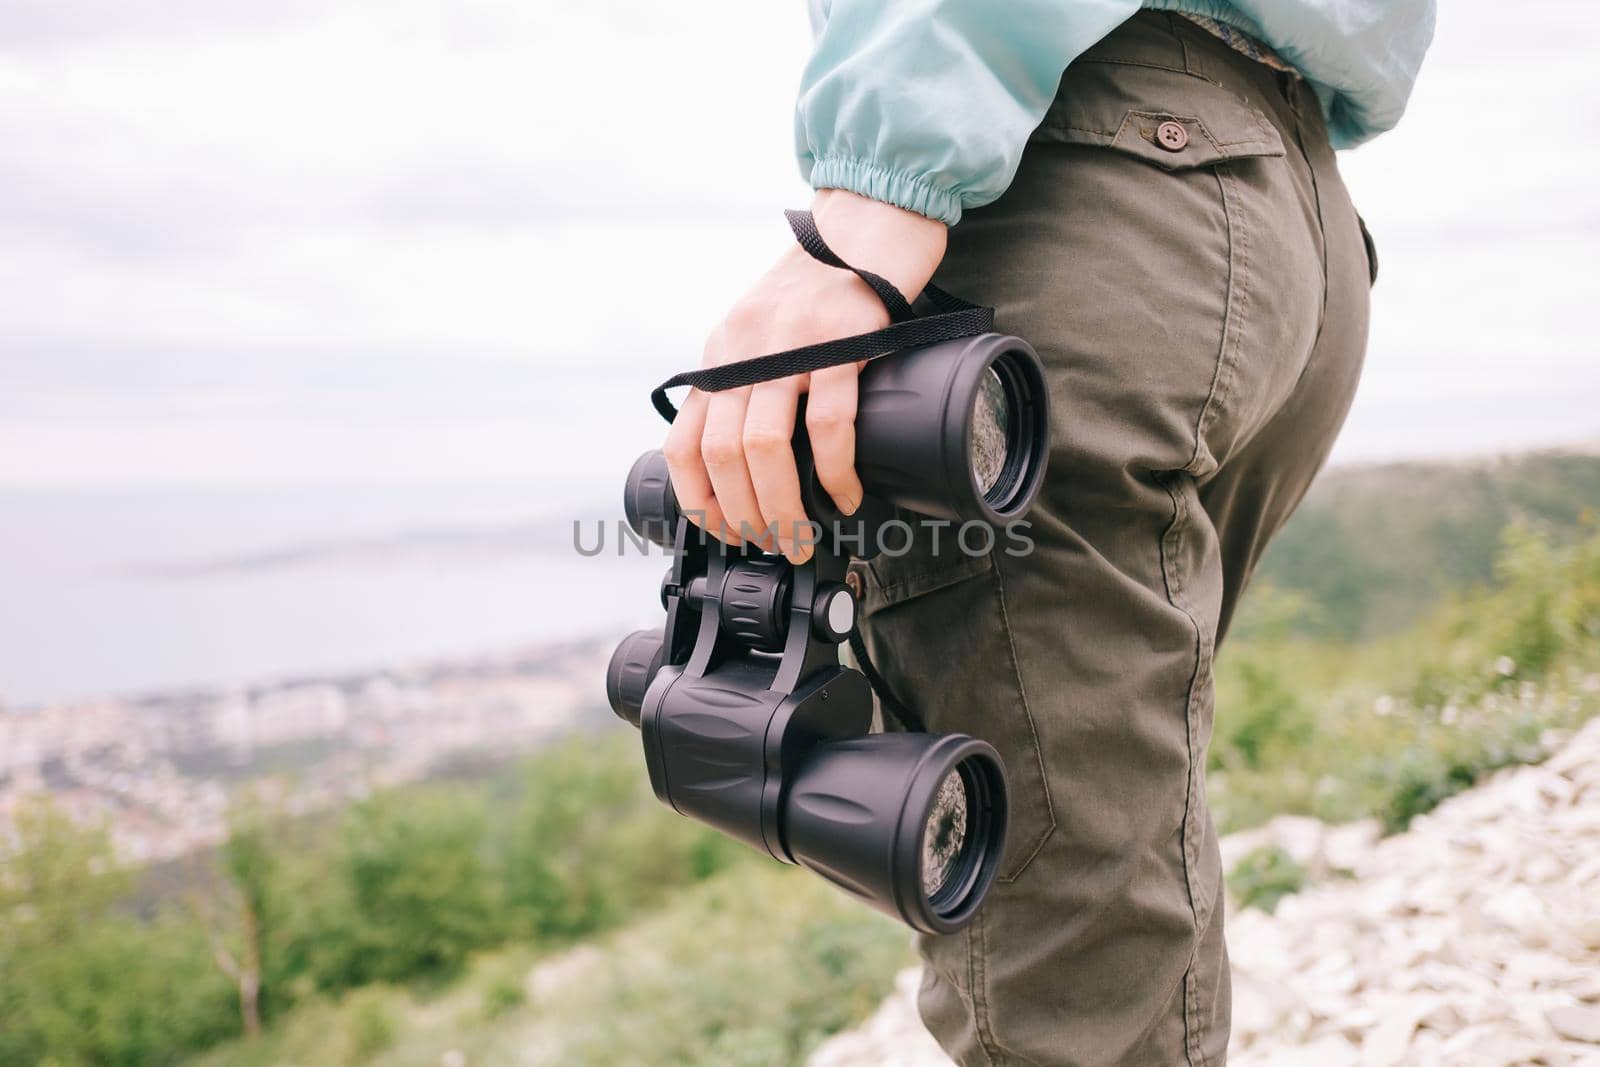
pixel 927 104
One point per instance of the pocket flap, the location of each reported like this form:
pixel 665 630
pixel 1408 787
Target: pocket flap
pixel 1123 107
pixel 895 579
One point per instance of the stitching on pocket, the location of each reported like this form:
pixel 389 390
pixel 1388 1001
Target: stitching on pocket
pixel 978 959
pixel 1033 733
pixel 1152 66
pixel 1076 129
pixel 1265 144
pixel 881 597
pixel 907 586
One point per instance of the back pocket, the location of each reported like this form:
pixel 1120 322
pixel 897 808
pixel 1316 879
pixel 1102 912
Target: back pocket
pixel 1167 118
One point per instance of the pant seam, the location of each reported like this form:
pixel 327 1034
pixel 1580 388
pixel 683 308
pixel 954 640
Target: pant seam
pixel 1223 383
pixel 1171 563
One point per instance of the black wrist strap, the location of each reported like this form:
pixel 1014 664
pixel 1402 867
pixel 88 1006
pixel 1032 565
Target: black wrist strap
pixel 952 318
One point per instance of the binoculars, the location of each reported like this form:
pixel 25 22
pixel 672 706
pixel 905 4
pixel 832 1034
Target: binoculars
pixel 749 721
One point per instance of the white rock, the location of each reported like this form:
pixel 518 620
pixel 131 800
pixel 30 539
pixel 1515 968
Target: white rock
pixel 1387 1043
pixel 1519 910
pixel 1586 986
pixel 1330 1051
pixel 1347 847
pixel 1576 1022
pixel 1235 847
pixel 1300 837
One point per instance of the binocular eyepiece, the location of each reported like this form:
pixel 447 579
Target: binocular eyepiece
pixel 958 430
pixel 749 721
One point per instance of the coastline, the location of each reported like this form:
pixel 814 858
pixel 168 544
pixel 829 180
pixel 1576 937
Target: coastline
pixel 158 769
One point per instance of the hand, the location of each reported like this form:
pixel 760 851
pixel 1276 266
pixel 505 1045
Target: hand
pixel 728 453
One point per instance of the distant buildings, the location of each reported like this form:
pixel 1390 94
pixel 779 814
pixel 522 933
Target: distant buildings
pixel 159 770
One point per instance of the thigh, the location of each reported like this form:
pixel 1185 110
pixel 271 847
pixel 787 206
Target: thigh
pixel 1086 659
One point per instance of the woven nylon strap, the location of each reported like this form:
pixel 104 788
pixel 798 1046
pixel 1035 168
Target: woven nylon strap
pixel 952 318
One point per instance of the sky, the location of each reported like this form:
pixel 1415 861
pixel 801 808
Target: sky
pixel 246 242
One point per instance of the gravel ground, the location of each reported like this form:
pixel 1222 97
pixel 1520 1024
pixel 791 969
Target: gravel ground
pixel 1471 940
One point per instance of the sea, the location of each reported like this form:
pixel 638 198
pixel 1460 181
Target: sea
pixel 129 591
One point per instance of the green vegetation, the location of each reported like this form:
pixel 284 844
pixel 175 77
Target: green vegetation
pixel 809 962
pixel 1372 549
pixel 669 989
pixel 1392 725
pixel 1265 877
pixel 80 981
pixel 1413 628
pixel 402 888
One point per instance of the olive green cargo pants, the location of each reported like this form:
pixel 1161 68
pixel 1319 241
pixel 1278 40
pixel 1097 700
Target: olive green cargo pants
pixel 1198 292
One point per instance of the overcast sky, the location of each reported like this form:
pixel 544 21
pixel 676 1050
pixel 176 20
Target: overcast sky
pixel 247 241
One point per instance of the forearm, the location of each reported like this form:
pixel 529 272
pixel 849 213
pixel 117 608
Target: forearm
pixel 900 245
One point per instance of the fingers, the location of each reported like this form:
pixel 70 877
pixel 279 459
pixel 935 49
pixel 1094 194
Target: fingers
pixel 831 425
pixel 722 448
pixel 768 430
pixel 690 481
pixel 733 467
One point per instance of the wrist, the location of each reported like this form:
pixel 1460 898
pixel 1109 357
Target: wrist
pixel 897 244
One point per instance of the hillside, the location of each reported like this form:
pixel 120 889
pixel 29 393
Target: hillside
pixel 556 913
pixel 1372 548
pixel 1471 939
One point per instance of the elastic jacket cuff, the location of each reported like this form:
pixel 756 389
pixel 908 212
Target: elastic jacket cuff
pixel 914 192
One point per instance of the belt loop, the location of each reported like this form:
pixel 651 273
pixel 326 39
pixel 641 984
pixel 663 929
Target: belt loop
pixel 1175 25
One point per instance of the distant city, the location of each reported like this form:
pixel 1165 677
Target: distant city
pixel 159 770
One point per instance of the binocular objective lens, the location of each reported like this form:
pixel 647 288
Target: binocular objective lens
pixel 990 442
pixel 944 835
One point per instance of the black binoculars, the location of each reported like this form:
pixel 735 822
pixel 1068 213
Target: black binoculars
pixel 749 721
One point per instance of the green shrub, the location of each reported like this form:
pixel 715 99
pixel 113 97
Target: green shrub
pixel 590 845
pixel 753 968
pixel 1265 877
pixel 1266 718
pixel 503 993
pixel 83 982
pixel 421 892
pixel 1403 722
pixel 369 1021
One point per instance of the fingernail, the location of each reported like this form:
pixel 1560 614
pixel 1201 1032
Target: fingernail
pixel 847 505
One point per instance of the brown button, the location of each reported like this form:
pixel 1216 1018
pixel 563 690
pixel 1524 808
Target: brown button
pixel 1172 136
pixel 853 580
